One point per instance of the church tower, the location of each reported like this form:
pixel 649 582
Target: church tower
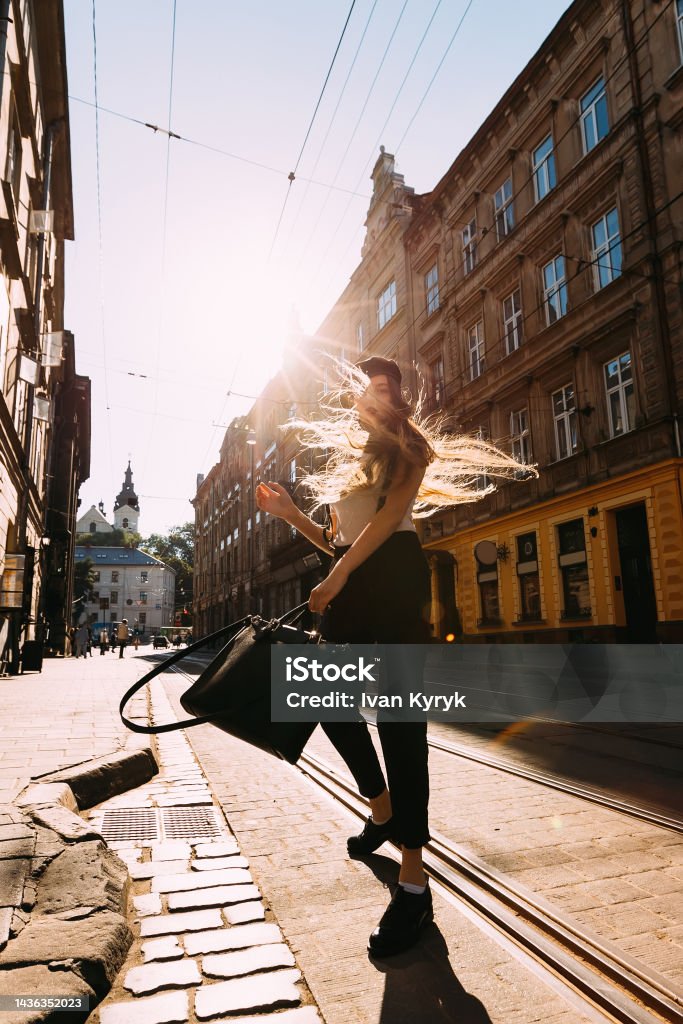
pixel 126 506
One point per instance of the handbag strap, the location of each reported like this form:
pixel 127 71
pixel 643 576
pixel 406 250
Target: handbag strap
pixel 289 618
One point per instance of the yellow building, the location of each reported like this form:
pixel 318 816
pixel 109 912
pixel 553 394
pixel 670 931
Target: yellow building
pixel 605 563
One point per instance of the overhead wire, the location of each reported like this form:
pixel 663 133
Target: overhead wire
pixel 347 147
pixel 103 332
pixel 164 227
pixel 372 156
pixel 292 174
pixel 332 120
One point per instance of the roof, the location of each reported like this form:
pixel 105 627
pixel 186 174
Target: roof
pixel 103 555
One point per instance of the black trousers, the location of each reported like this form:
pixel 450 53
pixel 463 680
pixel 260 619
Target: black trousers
pixel 386 600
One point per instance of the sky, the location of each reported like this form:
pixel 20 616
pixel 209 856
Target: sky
pixel 192 255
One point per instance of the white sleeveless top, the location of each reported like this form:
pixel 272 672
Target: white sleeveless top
pixel 355 510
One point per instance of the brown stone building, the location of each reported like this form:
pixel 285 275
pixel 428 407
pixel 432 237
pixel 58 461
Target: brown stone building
pixel 555 240
pixel 44 403
pixel 538 290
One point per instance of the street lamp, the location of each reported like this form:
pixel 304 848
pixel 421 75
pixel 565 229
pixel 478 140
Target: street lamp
pixel 251 441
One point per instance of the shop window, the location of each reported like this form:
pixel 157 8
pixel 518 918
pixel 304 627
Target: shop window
pixel 574 570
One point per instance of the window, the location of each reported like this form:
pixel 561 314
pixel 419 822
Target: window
pixel 554 290
pixel 620 396
pixel 96 576
pixel 544 168
pixel 432 289
pixel 504 211
pixel 679 25
pixel 93 527
pixel 124 524
pixel 114 576
pixel 606 255
pixel 512 321
pixel 437 382
pixel 144 576
pixel 469 247
pixel 142 618
pixel 326 381
pixel 564 415
pixel 520 435
pixel 475 350
pixel 360 340
pixel 292 471
pixel 114 597
pixel 143 597
pixel 487 581
pixel 14 159
pixel 594 122
pixel 386 305
pixel 527 574
pixel 574 570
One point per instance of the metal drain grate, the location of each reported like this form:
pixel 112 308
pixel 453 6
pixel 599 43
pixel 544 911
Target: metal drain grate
pixel 130 824
pixel 190 823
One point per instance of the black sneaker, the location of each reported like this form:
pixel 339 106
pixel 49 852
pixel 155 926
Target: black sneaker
pixel 370 839
pixel 401 922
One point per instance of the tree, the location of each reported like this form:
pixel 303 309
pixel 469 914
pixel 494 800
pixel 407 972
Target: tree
pixel 116 539
pixel 84 579
pixel 176 550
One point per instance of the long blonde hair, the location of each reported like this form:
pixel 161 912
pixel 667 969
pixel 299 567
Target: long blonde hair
pixel 354 458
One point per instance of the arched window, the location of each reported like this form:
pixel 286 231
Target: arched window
pixel 125 524
pixel 93 527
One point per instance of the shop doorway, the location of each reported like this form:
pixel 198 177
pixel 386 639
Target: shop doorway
pixel 636 575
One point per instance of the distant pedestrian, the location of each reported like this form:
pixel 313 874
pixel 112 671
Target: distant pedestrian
pixel 90 641
pixel 82 641
pixel 104 641
pixel 122 635
pixel 136 642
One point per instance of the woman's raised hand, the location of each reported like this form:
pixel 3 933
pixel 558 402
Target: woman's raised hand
pixel 274 499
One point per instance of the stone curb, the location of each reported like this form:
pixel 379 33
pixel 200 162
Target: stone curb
pixel 104 777
pixel 63 891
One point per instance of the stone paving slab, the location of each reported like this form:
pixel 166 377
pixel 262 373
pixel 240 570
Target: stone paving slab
pixel 190 880
pixel 167 924
pixel 167 948
pixel 237 937
pixel 151 977
pixel 214 896
pixel 249 961
pixel 240 995
pixel 170 1008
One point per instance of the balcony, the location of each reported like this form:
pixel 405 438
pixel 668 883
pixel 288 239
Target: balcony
pixel 293 558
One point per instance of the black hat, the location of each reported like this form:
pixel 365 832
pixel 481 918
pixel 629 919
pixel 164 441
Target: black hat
pixel 376 365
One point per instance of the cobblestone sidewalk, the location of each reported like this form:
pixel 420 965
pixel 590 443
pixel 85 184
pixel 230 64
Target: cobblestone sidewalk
pixel 205 944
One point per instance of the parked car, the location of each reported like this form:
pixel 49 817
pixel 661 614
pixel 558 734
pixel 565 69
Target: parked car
pixel 160 641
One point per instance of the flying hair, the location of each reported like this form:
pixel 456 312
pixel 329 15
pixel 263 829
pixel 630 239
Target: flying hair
pixel 356 457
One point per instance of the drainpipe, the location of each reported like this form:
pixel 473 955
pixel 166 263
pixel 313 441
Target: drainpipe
pixel 660 319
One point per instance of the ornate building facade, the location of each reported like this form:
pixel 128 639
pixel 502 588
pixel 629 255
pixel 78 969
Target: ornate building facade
pixel 537 291
pixel 44 403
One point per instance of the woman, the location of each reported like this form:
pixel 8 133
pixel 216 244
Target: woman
pixel 383 467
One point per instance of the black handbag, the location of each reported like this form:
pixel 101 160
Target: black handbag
pixel 233 691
